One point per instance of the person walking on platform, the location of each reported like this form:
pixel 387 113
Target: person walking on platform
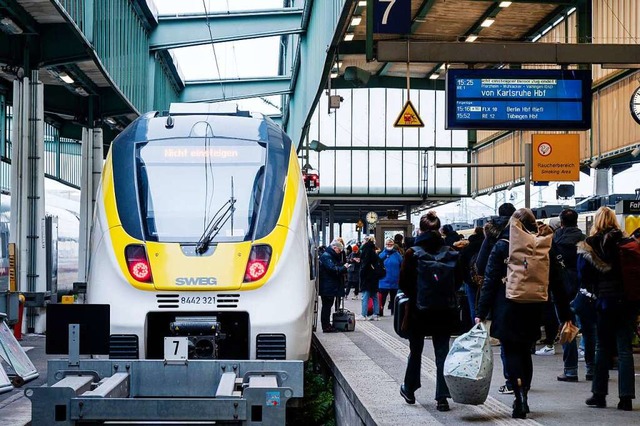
pixel 368 278
pixel 492 231
pixel 353 272
pixel 331 273
pixel 600 272
pixel 565 239
pixel 439 322
pixel 389 284
pixel 468 256
pixel 515 324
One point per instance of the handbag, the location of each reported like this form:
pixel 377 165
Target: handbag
pixel 584 305
pixel 568 332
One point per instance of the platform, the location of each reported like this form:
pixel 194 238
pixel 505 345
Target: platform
pixel 370 362
pixel 369 366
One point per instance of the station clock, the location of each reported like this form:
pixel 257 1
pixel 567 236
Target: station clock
pixel 634 105
pixel 372 217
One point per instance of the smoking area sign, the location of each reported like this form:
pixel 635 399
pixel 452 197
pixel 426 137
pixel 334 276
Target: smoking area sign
pixel 556 157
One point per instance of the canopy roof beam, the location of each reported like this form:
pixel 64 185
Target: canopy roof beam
pixel 226 90
pixel 517 53
pixel 192 30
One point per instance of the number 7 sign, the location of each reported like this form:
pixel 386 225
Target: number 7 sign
pixel 392 16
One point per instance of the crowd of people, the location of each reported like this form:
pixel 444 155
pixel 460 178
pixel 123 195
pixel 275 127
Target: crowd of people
pixel 584 283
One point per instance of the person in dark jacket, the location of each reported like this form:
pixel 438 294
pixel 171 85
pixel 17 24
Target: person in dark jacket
pixel 466 255
pixel 599 270
pixel 331 273
pixel 437 323
pixel 353 272
pixel 368 278
pixel 516 324
pixel 492 231
pixel 450 236
pixel 565 239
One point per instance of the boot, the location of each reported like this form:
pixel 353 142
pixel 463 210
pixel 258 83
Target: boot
pixel 518 404
pixel 597 400
pixel 525 400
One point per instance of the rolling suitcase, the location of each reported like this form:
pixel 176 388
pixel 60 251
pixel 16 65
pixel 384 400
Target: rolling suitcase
pixel 400 305
pixel 344 319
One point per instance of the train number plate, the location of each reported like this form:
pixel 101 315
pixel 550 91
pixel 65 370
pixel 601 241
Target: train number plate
pixel 197 300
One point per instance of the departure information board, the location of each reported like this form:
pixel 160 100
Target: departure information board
pixel 518 99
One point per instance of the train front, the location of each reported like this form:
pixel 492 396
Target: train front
pixel 201 231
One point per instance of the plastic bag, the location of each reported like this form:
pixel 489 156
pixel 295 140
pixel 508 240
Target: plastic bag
pixel 469 367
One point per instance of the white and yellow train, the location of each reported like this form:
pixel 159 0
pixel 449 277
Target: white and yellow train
pixel 202 230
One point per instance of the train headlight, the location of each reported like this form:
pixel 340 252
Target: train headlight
pixel 138 263
pixel 258 263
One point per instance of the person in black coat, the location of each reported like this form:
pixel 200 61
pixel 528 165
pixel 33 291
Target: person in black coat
pixel 600 271
pixel 437 323
pixel 466 255
pixel 368 279
pixel 515 324
pixel 331 282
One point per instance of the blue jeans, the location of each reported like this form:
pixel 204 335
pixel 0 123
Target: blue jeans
pixel 615 326
pixel 471 297
pixel 570 357
pixel 588 330
pixel 365 302
pixel 414 363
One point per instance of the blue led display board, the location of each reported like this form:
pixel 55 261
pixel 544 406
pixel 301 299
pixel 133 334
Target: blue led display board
pixel 518 99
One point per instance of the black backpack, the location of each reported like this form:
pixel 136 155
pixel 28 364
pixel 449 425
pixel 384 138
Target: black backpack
pixel 436 287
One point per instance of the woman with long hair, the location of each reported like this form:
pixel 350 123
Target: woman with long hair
pixel 599 271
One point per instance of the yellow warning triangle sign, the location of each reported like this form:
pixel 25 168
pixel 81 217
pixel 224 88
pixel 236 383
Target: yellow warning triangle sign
pixel 408 117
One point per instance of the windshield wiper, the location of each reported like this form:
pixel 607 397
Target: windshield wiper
pixel 215 225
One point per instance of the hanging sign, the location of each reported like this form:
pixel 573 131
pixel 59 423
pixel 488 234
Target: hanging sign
pixel 408 117
pixel 556 157
pixel 392 16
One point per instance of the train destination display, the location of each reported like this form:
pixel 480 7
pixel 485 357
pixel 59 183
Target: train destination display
pixel 518 99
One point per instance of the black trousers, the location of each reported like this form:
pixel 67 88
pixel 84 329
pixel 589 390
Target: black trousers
pixel 518 363
pixel 384 293
pixel 325 312
pixel 414 363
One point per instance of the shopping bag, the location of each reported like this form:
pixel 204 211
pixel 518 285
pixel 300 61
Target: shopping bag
pixel 567 333
pixel 469 366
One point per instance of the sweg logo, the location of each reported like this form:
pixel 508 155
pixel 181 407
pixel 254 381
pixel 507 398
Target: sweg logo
pixel 196 281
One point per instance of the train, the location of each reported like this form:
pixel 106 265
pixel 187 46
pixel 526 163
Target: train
pixel 202 230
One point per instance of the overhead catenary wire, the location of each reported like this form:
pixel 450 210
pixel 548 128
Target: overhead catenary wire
pixel 213 47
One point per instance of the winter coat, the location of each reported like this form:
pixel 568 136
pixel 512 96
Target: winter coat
pixel 492 231
pixel 564 245
pixel 599 269
pixel 392 262
pixel 331 273
pixel 467 253
pixel 368 279
pixel 353 272
pixel 443 321
pixel 513 321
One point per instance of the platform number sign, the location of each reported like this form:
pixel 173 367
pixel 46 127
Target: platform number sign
pixel 392 16
pixel 176 348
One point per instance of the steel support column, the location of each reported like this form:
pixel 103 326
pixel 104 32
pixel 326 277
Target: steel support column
pixel 27 186
pixel 91 174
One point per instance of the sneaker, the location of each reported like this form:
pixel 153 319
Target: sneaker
pixel 546 350
pixel 354 298
pixel 581 355
pixel 361 318
pixel 505 390
pixel 409 397
pixel 567 378
pixel 375 318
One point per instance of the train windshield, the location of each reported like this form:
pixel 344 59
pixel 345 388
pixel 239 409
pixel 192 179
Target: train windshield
pixel 188 186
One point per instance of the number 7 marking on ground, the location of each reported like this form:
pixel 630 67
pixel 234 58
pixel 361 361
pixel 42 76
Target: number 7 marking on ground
pixel 385 17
